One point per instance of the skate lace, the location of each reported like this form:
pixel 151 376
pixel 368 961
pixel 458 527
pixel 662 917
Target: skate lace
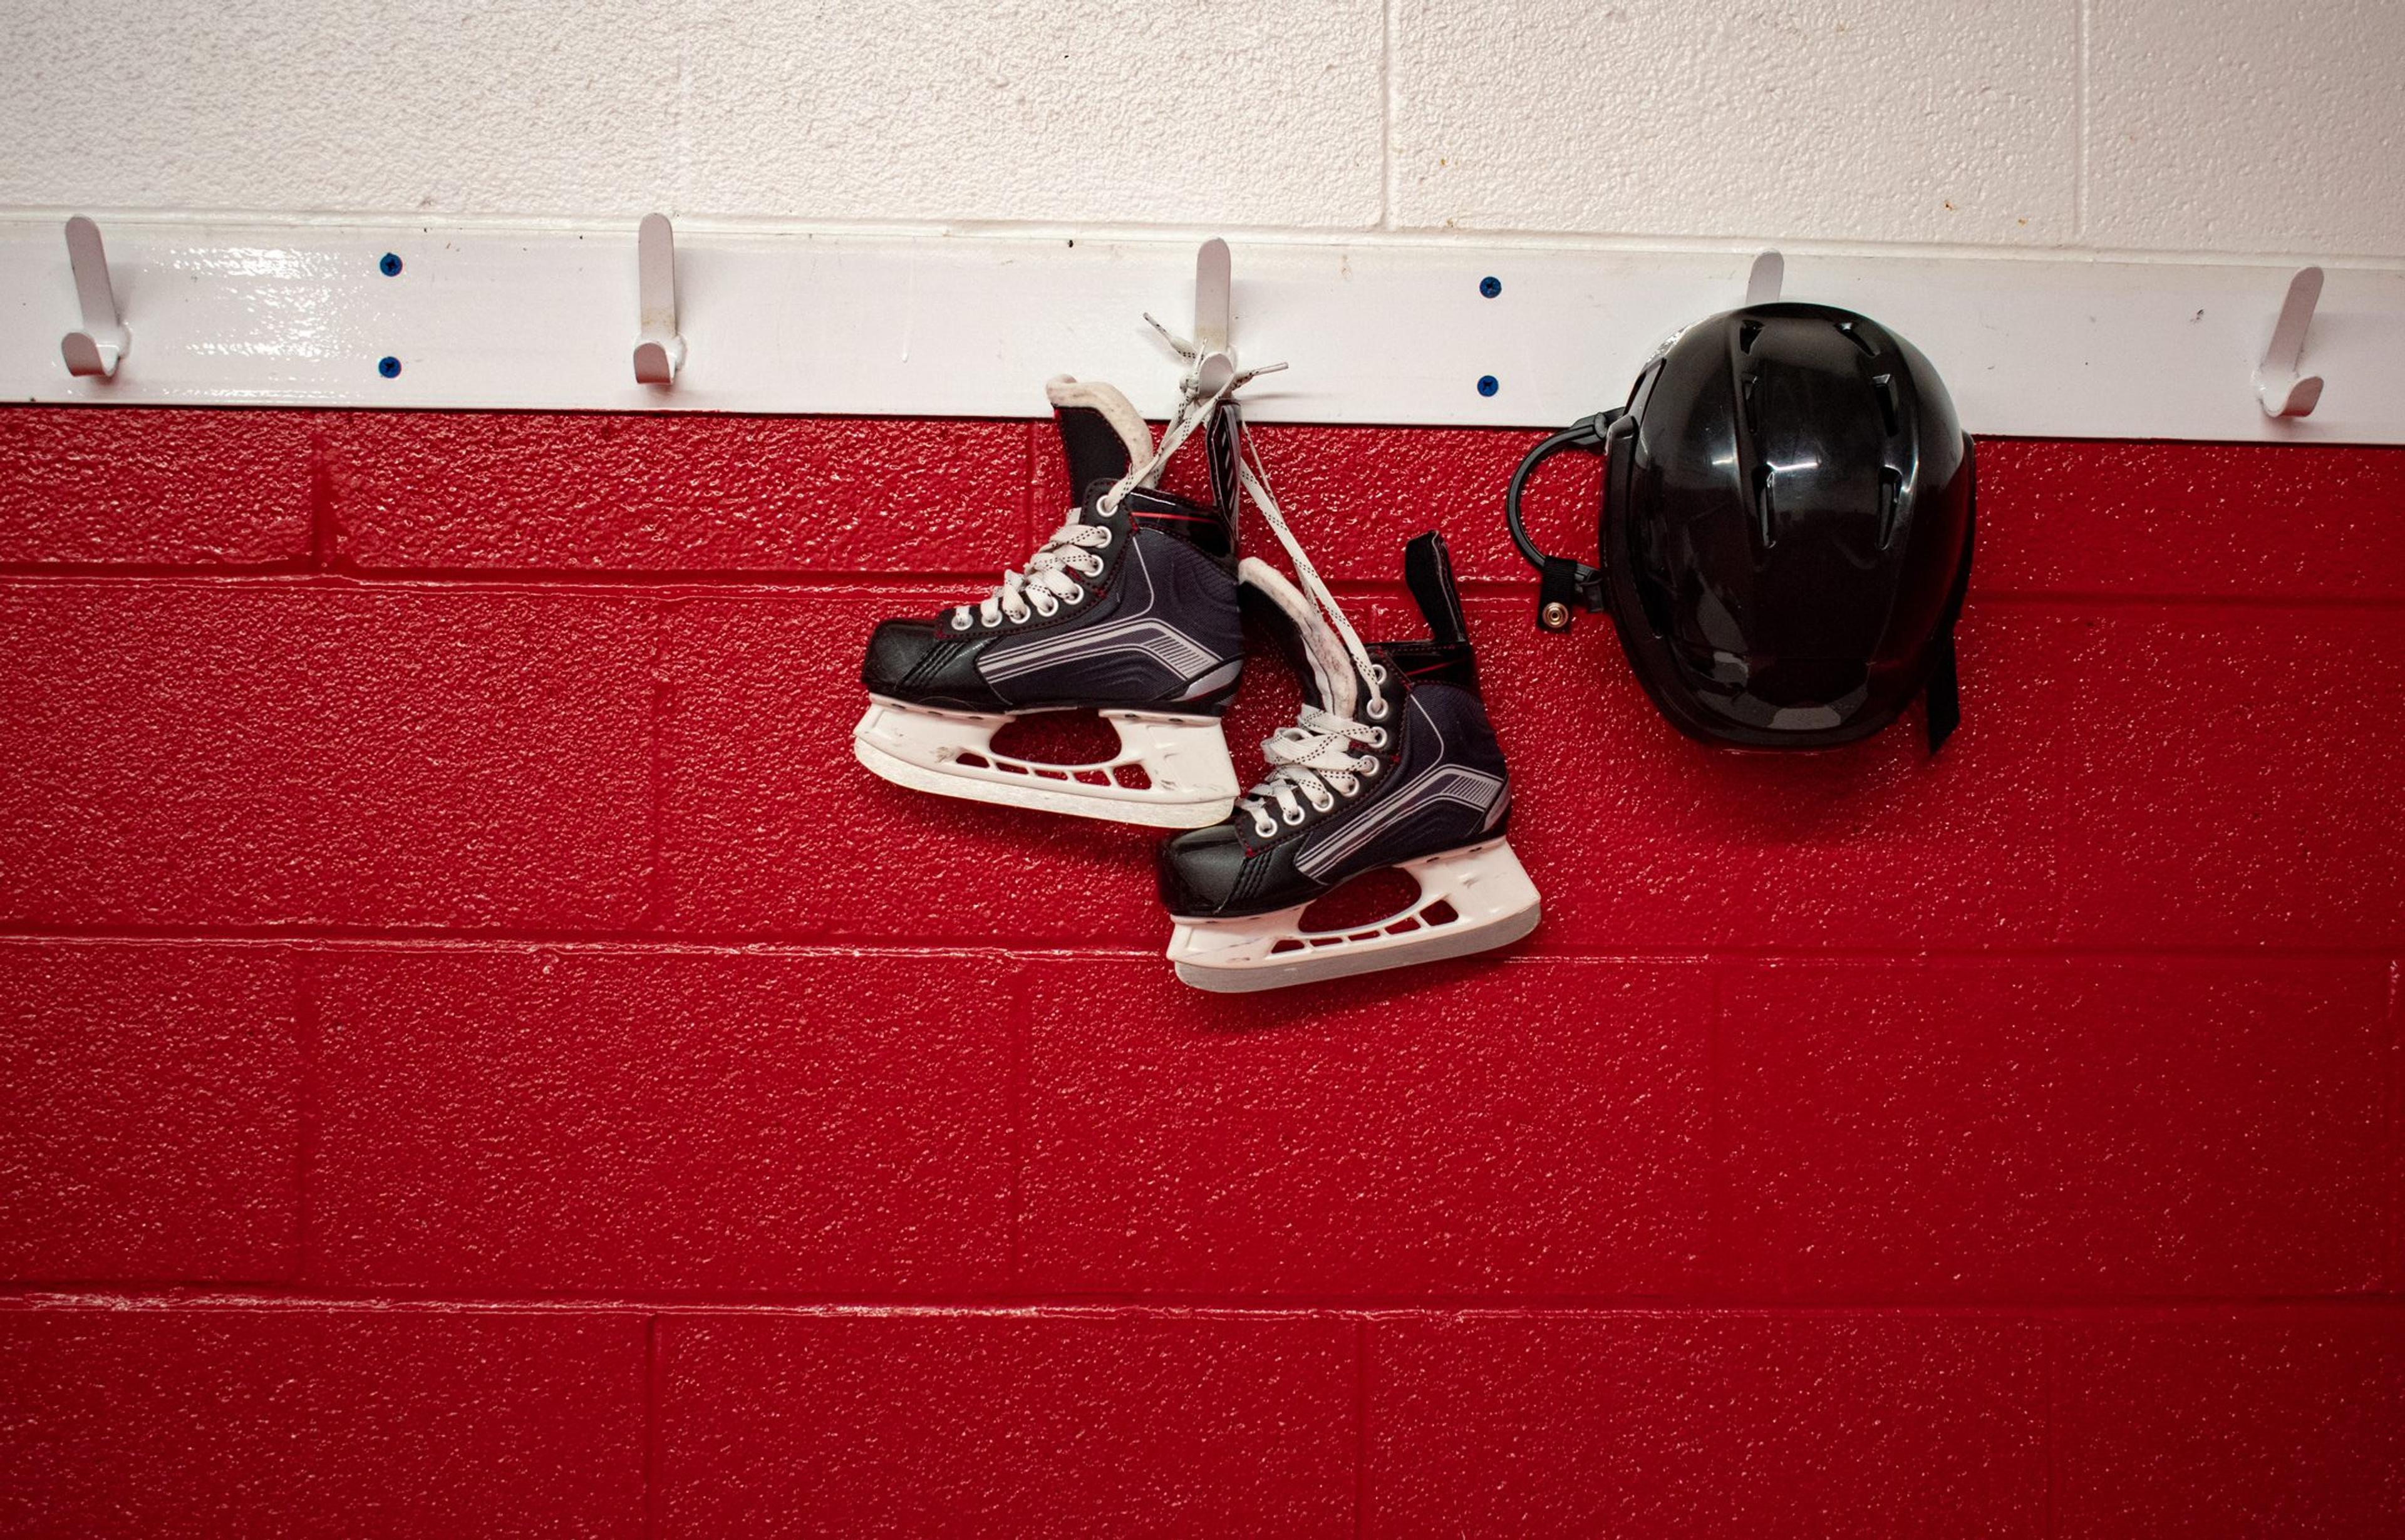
pixel 1312 760
pixel 1067 554
pixel 1049 580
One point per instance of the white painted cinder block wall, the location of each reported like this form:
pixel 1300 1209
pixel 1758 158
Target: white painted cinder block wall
pixel 2164 126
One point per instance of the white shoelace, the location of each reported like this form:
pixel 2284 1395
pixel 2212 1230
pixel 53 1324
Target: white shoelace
pixel 1050 578
pixel 1313 760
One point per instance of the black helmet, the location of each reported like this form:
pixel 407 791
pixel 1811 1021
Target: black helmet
pixel 1785 532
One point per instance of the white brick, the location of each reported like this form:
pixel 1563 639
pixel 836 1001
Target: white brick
pixel 443 105
pixel 2231 125
pixel 1240 112
pixel 1895 121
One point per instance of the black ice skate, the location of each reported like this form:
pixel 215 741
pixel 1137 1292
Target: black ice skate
pixel 1391 764
pixel 1130 609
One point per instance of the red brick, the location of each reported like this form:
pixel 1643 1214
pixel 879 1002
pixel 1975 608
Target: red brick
pixel 2269 1423
pixel 151 1127
pixel 570 1119
pixel 680 492
pixel 267 753
pixel 1639 838
pixel 2187 519
pixel 1530 1425
pixel 319 1422
pixel 162 486
pixel 1472 1127
pixel 2006 1129
pixel 1021 1424
pixel 1355 495
pixel 770 826
pixel 2232 780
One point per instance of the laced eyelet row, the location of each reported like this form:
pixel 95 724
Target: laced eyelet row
pixel 1022 599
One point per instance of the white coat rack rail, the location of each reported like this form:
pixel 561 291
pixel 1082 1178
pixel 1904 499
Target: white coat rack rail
pixel 1376 330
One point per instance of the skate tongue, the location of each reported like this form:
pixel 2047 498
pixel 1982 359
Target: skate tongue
pixel 1102 433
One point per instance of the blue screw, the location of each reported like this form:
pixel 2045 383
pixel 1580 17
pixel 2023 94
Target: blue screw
pixel 1490 286
pixel 389 366
pixel 1488 385
pixel 389 265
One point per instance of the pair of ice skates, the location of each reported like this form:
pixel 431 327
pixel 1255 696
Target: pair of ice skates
pixel 1134 608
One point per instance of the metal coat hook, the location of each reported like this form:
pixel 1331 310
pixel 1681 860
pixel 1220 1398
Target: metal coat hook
pixel 2282 390
pixel 660 353
pixel 1763 283
pixel 94 352
pixel 1214 356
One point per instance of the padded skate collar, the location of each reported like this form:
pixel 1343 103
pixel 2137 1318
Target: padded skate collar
pixel 1328 679
pixel 1102 433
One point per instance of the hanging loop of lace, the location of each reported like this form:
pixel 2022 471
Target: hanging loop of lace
pixel 1314 758
pixel 1050 576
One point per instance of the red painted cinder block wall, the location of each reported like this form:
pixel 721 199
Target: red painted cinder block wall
pixel 480 1058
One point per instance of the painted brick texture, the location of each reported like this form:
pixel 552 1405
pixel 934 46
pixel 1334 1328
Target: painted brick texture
pixel 309 1422
pixel 476 1056
pixel 1044 1424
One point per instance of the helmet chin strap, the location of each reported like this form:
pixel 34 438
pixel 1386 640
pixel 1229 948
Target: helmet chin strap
pixel 1563 587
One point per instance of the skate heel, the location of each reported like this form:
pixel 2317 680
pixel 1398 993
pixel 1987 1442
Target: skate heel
pixel 1471 900
pixel 1187 780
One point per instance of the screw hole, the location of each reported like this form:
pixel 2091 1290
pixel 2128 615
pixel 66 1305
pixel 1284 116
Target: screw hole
pixel 1488 385
pixel 388 366
pixel 389 265
pixel 1490 286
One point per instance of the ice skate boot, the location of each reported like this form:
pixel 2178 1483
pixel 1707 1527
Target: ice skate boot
pixel 1392 765
pixel 1129 609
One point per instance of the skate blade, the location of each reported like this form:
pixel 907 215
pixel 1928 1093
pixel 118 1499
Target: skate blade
pixel 1491 900
pixel 950 753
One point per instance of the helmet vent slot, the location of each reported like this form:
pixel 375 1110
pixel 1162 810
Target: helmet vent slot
pixel 1891 409
pixel 1765 513
pixel 1891 500
pixel 1853 334
pixel 1747 331
pixel 1745 404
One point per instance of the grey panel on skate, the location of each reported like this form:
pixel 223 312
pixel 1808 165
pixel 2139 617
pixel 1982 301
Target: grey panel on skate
pixel 1171 622
pixel 1443 792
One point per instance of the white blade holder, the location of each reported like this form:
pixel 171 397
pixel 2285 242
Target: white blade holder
pixel 1215 357
pixel 660 353
pixel 2282 391
pixel 1769 274
pixel 94 352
